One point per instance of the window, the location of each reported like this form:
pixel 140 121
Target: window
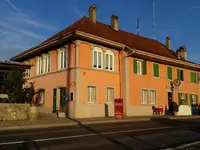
pixel 193 99
pixel 152 97
pixel 47 63
pixel 182 98
pixel 110 95
pixel 27 71
pixel 40 97
pixel 109 60
pixel 155 70
pixel 139 67
pixel 193 77
pixel 180 75
pixel 62 59
pixel 149 96
pixel 39 66
pixel 91 94
pixel 98 58
pixel 144 96
pixel 169 73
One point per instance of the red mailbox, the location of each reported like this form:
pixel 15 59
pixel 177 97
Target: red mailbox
pixel 118 108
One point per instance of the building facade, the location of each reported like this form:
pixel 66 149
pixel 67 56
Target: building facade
pixel 85 66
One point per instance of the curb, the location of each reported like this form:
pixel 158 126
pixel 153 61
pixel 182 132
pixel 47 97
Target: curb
pixel 27 127
pixel 186 117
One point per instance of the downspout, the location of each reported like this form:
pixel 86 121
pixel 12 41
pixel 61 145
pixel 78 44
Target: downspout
pixel 121 65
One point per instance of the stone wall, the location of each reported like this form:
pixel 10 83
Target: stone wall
pixel 10 111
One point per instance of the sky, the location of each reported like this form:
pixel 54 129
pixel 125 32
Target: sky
pixel 26 23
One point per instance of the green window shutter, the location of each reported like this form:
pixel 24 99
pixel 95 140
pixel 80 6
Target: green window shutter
pixel 190 99
pixel 182 75
pixel 144 67
pixel 135 66
pixel 64 96
pixel 197 99
pixel 54 99
pixel 169 72
pixel 191 77
pixel 156 70
pixel 178 74
pixel 195 77
pixel 179 98
pixel 186 99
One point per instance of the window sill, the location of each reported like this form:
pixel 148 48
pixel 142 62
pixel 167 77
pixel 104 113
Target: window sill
pixel 109 70
pixel 156 77
pixel 97 68
pixel 148 104
pixel 139 74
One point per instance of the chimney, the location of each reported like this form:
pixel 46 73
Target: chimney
pixel 182 53
pixel 92 13
pixel 168 42
pixel 114 22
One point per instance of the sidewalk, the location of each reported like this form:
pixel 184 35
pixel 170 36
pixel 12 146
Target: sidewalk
pixel 49 121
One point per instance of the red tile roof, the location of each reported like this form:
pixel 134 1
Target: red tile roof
pixel 121 36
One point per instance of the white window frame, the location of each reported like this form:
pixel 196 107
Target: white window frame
pixel 150 97
pixel 99 62
pixel 89 94
pixel 108 89
pixel 41 96
pixel 27 71
pixel 139 63
pixel 39 65
pixel 109 65
pixel 47 63
pixel 194 98
pixel 149 100
pixel 62 58
pixel 183 96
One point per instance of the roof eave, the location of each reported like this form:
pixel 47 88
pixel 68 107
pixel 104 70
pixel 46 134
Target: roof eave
pixel 41 46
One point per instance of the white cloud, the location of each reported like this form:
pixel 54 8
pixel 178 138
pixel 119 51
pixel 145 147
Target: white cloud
pixel 77 11
pixel 194 7
pixel 19 31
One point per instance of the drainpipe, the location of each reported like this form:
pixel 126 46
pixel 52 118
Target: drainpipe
pixel 120 71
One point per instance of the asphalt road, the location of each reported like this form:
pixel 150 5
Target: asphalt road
pixel 147 135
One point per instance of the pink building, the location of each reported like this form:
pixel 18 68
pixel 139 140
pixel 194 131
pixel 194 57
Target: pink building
pixel 88 64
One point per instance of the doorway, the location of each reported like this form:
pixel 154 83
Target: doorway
pixel 170 97
pixel 63 98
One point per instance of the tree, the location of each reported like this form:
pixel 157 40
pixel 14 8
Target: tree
pixel 14 81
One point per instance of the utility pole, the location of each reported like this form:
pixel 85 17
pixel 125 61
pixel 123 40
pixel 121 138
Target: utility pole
pixel 138 26
pixel 154 20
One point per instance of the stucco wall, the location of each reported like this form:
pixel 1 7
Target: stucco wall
pixel 160 84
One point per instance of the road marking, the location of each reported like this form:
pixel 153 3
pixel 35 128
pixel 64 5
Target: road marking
pixel 184 146
pixel 92 134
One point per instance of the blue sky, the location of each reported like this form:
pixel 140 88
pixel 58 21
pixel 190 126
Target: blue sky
pixel 25 23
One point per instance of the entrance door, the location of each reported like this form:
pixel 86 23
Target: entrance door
pixel 62 97
pixel 170 96
pixel 54 99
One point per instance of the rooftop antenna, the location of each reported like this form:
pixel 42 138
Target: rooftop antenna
pixel 154 20
pixel 138 26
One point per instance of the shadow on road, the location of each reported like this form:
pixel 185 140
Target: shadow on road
pixel 101 135
pixel 28 144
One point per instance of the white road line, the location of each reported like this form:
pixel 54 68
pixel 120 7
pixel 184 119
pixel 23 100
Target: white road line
pixel 184 146
pixel 87 135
